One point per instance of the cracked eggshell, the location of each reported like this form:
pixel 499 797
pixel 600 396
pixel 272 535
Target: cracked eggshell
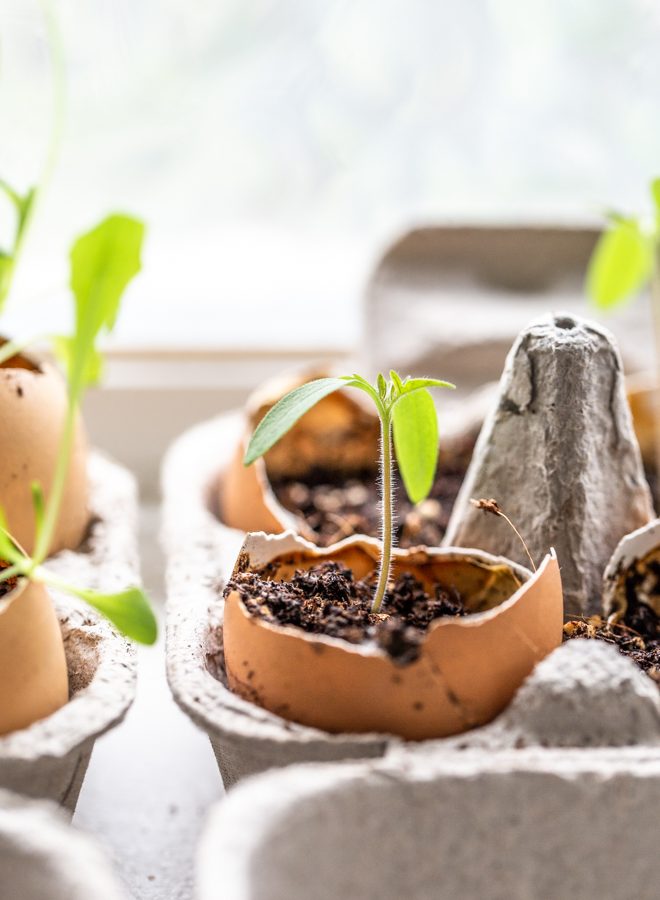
pixel 636 551
pixel 33 401
pixel 339 433
pixel 33 671
pixel 468 669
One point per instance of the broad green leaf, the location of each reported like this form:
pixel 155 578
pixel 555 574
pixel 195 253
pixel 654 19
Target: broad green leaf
pixel 620 264
pixel 415 430
pixel 103 262
pixel 415 384
pixel 64 349
pixel 286 413
pixel 129 611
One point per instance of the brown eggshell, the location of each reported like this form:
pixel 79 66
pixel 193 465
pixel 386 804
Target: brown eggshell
pixel 33 671
pixel 644 401
pixel 339 433
pixel 468 669
pixel 33 401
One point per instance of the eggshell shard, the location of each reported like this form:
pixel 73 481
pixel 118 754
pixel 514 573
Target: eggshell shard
pixel 340 433
pixel 33 671
pixel 33 402
pixel 468 669
pixel 637 554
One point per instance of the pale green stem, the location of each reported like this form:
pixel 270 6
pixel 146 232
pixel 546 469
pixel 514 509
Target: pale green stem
pixel 387 508
pixel 56 493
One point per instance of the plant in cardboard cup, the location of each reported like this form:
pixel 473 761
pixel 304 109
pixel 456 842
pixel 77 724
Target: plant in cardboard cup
pixel 625 261
pixel 33 675
pixel 364 637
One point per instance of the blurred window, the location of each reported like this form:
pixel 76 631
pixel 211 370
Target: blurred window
pixel 273 146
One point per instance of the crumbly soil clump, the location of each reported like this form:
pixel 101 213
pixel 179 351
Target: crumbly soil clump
pixel 327 600
pixel 637 635
pixel 6 587
pixel 335 507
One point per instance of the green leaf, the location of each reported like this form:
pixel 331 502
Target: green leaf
pixel 396 381
pixel 416 384
pixel 286 413
pixel 620 264
pixel 64 348
pixel 382 386
pixel 103 262
pixel 129 611
pixel 9 552
pixel 415 430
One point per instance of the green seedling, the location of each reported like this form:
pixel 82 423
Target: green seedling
pixel 103 262
pixel 406 412
pixel 625 262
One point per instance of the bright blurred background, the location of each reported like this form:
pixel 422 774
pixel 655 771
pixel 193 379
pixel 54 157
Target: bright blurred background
pixel 274 146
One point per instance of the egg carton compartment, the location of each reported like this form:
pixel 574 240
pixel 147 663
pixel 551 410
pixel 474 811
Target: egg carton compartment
pixel 42 857
pixel 49 759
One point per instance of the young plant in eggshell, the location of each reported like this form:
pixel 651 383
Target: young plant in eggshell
pixel 468 668
pixel 33 671
pixel 33 404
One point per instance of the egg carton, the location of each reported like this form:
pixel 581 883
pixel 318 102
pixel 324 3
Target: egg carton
pixel 586 415
pixel 557 799
pixel 42 857
pixel 49 759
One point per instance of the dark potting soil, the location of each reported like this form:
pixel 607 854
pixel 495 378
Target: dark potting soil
pixel 327 600
pixel 638 634
pixel 6 587
pixel 335 507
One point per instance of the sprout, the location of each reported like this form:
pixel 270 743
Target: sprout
pixel 406 412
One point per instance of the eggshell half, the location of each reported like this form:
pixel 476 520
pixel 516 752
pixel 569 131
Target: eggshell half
pixel 33 402
pixel 33 671
pixel 468 669
pixel 640 545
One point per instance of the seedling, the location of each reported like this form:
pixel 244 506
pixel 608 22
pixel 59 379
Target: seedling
pixel 103 262
pixel 625 261
pixel 406 412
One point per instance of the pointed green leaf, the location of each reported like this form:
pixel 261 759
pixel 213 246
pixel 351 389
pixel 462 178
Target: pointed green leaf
pixel 9 552
pixel 103 262
pixel 396 381
pixel 620 264
pixel 129 611
pixel 415 384
pixel 286 413
pixel 382 385
pixel 415 430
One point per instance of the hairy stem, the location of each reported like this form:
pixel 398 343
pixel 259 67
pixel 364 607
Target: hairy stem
pixel 386 507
